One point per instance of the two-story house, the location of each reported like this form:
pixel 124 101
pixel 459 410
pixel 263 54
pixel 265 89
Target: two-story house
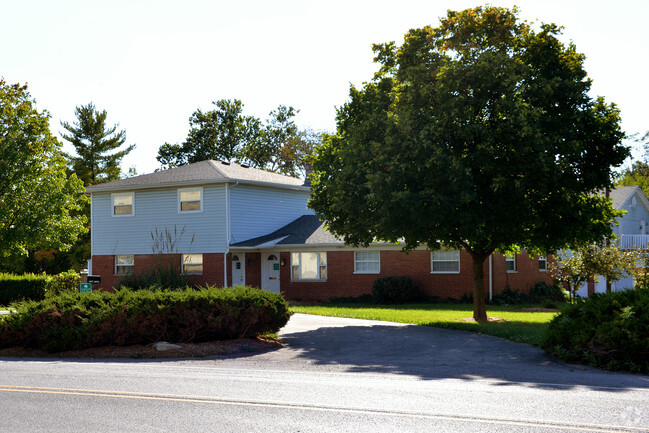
pixel 226 224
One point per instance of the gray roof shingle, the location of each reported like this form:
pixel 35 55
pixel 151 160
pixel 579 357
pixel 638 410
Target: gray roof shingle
pixel 621 194
pixel 306 230
pixel 200 172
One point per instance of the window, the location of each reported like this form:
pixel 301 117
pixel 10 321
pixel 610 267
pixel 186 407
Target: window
pixel 122 204
pixel 309 266
pixel 510 263
pixel 367 262
pixel 543 263
pixel 124 264
pixel 445 262
pixel 192 264
pixel 190 200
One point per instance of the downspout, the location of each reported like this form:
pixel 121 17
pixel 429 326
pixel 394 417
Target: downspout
pixel 491 278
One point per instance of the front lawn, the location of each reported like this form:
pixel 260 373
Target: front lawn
pixel 516 325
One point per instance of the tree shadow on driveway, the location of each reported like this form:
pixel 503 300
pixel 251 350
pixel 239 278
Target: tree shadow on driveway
pixel 435 353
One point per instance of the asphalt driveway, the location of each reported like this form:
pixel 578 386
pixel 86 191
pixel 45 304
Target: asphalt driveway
pixel 339 344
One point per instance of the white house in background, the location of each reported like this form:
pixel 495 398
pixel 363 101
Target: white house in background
pixel 631 230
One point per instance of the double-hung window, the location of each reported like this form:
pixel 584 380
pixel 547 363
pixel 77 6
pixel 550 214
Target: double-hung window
pixel 445 262
pixel 367 262
pixel 190 199
pixel 122 204
pixel 124 264
pixel 192 264
pixel 510 263
pixel 543 263
pixel 309 266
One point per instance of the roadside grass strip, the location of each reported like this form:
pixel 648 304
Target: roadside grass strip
pixel 510 323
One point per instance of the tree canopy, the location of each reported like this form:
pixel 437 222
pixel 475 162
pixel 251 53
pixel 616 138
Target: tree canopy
pixel 638 173
pixel 478 134
pixel 93 142
pixel 37 198
pixel 225 133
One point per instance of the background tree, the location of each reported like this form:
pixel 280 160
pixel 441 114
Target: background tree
pixel 227 134
pixel 479 135
pixel 638 173
pixel 37 197
pixel 93 141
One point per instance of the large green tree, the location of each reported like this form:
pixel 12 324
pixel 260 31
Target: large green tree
pixel 225 133
pixel 38 200
pixel 478 134
pixel 97 157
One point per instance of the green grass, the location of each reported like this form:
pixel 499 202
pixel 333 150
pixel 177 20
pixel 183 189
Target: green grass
pixel 519 326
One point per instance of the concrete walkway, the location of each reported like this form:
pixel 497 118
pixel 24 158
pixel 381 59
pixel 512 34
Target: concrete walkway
pixel 330 343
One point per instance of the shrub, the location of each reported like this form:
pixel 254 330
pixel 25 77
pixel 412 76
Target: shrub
pixel 509 297
pixel 65 282
pixel 606 330
pixel 158 277
pixel 543 292
pixel 395 290
pixel 77 321
pixel 15 288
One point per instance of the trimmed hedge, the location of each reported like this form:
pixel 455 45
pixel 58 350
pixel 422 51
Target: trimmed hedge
pixel 15 288
pixel 77 321
pixel 396 290
pixel 606 330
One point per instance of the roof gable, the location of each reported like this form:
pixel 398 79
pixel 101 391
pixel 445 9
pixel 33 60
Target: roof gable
pixel 202 172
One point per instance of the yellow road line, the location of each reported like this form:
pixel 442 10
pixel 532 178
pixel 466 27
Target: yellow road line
pixel 547 424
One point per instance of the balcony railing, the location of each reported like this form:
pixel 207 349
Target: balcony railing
pixel 633 242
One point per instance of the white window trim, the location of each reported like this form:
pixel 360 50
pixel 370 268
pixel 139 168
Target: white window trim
pixel 197 188
pixel 132 265
pixel 459 263
pixel 112 204
pixel 318 279
pixel 182 263
pixel 545 259
pixel 511 259
pixel 378 271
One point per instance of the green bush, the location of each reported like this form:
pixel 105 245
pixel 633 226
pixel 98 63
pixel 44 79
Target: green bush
pixel 160 277
pixel 510 297
pixel 77 321
pixel 15 288
pixel 543 292
pixel 606 330
pixel 65 282
pixel 395 290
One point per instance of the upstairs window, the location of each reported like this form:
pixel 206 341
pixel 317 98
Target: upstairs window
pixel 123 204
pixel 510 263
pixel 445 262
pixel 543 263
pixel 308 266
pixel 367 262
pixel 190 200
pixel 192 264
pixel 124 264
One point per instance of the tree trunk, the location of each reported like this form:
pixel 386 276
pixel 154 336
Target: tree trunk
pixel 479 307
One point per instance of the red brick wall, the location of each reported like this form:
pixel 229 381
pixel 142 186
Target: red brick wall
pixel 341 280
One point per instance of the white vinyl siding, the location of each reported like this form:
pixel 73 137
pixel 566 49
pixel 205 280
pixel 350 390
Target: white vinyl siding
pixel 367 262
pixel 308 266
pixel 445 262
pixel 510 263
pixel 192 264
pixel 190 200
pixel 124 264
pixel 123 204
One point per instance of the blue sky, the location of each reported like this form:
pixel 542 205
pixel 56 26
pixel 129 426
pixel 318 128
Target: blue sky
pixel 151 64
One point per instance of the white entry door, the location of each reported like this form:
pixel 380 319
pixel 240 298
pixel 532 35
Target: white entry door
pixel 270 272
pixel 239 269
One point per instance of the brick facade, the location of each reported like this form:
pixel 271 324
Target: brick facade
pixel 342 281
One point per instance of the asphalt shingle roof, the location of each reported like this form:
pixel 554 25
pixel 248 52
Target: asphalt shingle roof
pixel 200 172
pixel 620 194
pixel 306 230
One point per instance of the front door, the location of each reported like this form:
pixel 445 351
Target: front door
pixel 239 269
pixel 270 272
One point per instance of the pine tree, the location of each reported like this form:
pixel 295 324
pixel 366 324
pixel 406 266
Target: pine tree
pixel 93 141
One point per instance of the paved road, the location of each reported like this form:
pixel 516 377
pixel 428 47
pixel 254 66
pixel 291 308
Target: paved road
pixel 333 375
